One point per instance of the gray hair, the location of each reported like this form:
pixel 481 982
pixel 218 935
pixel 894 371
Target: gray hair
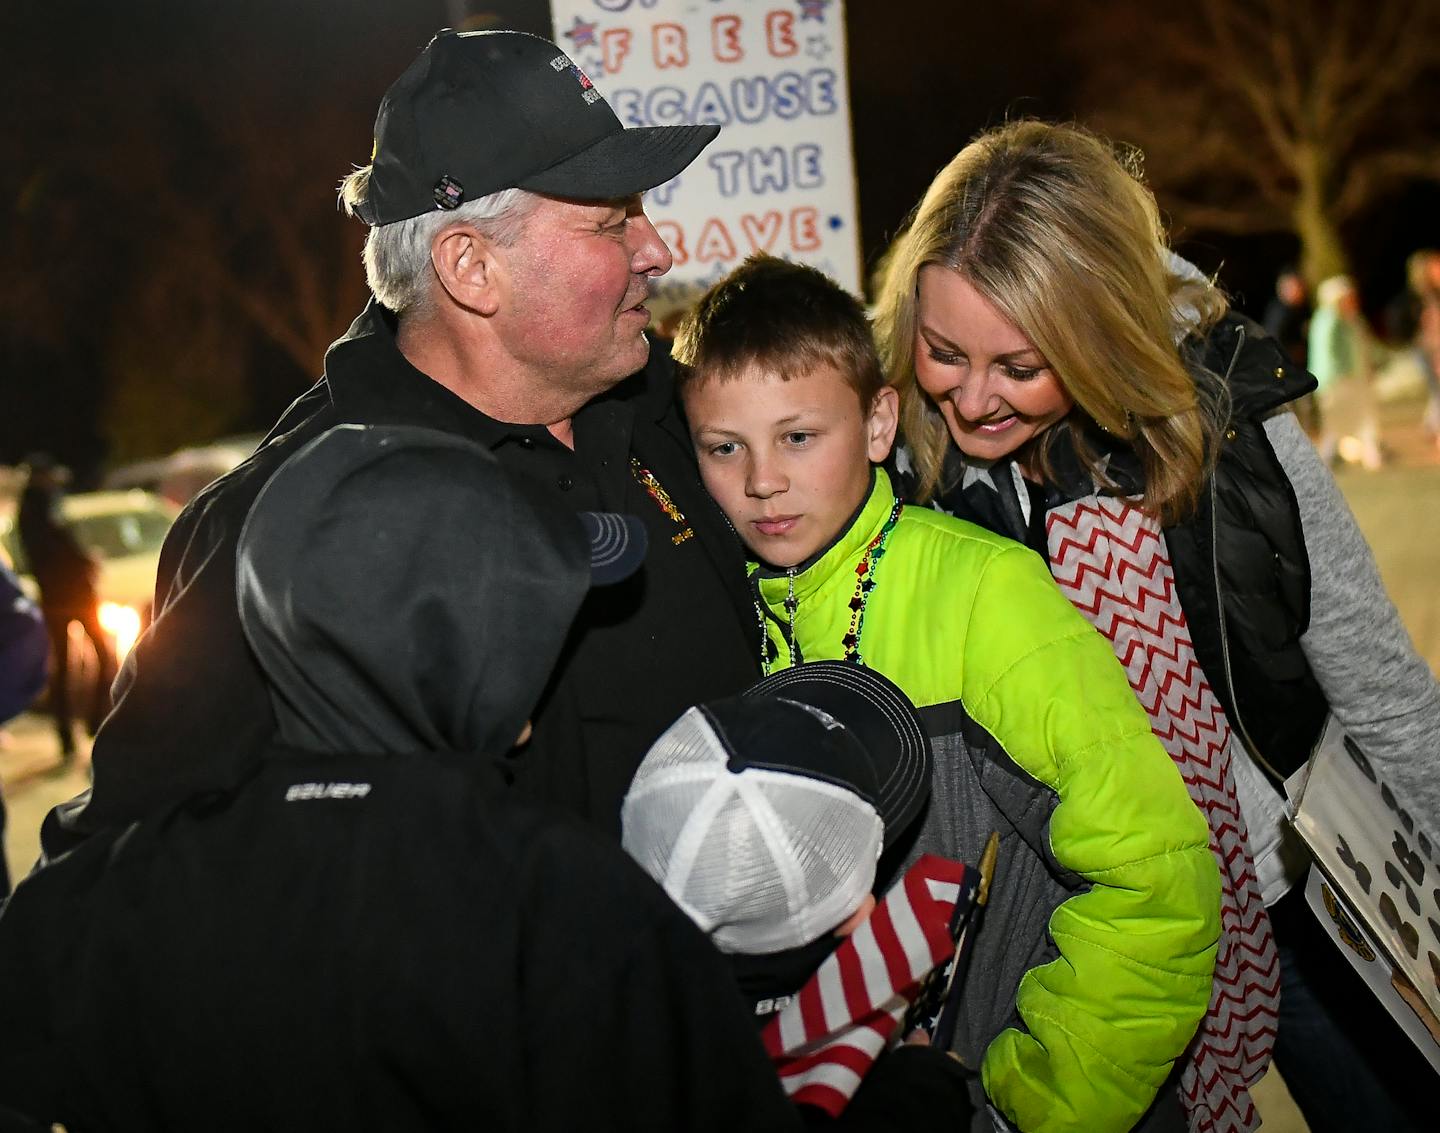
pixel 397 256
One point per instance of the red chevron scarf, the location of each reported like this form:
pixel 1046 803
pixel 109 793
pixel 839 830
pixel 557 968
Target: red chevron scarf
pixel 830 1034
pixel 1112 562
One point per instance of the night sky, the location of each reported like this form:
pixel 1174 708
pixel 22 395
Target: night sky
pixel 155 150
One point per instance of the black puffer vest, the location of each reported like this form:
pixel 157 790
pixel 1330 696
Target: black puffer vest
pixel 1243 551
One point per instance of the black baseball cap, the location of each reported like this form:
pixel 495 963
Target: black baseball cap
pixel 482 111
pixel 734 812
pixel 875 712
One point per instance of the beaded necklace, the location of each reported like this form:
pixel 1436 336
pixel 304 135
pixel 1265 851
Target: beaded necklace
pixel 864 584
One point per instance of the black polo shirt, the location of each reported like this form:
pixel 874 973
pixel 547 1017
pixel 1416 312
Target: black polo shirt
pixel 644 650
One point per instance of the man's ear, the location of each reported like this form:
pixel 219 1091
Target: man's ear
pixel 468 268
pixel 880 426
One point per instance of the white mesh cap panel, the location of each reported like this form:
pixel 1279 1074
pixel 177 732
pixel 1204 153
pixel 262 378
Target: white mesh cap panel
pixel 761 860
pixel 674 777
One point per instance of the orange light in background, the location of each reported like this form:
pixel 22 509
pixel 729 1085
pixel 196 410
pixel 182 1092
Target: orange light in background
pixel 123 624
pixel 1352 449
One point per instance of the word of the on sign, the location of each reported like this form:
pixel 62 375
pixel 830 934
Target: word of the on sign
pixel 768 169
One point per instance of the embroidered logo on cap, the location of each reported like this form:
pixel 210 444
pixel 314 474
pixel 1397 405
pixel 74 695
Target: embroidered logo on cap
pixel 563 63
pixel 448 192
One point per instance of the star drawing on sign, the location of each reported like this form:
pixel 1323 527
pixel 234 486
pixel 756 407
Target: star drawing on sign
pixel 813 9
pixel 582 33
pixel 816 46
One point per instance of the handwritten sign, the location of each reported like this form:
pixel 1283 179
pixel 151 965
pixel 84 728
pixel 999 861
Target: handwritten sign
pixel 1380 860
pixel 780 178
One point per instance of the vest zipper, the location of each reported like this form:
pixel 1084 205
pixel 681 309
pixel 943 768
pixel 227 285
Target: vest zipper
pixel 1239 724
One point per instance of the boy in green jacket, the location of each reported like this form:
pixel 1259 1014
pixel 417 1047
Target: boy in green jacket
pixel 1094 965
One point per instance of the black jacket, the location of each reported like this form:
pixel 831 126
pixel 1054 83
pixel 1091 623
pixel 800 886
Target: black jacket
pixel 386 941
pixel 426 955
pixel 1244 551
pixel 191 710
pixel 63 569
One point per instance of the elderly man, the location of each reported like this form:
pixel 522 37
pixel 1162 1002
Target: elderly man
pixel 509 256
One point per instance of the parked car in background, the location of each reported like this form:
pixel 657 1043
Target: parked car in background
pixel 123 531
pixel 180 476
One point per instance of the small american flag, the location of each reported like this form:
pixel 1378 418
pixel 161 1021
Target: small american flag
pixel 827 1038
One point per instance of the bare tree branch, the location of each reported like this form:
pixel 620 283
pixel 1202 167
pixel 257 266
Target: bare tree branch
pixel 1230 219
pixel 1220 17
pixel 1290 115
pixel 1402 45
pixel 1365 181
pixel 1289 88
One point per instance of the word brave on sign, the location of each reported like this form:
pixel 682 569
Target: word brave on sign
pixel 771 231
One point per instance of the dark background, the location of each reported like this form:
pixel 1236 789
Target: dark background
pixel 172 264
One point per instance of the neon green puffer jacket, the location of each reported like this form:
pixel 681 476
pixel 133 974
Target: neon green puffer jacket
pixel 1093 967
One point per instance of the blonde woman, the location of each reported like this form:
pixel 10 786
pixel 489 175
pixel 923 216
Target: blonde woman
pixel 1067 381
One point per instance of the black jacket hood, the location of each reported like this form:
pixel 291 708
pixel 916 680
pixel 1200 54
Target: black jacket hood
pixel 402 593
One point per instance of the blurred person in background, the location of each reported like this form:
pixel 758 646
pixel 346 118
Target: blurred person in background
pixel 1287 315
pixel 1341 358
pixel 1287 320
pixel 1422 275
pixel 66 575
pixel 24 661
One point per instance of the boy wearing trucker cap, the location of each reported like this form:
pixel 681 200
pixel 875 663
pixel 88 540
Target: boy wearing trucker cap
pixel 1095 964
pixel 765 817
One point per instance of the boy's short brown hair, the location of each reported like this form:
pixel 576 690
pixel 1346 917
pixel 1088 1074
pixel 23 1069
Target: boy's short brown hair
pixel 788 318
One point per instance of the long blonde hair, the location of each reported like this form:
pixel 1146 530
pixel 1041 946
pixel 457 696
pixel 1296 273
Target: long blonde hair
pixel 1056 230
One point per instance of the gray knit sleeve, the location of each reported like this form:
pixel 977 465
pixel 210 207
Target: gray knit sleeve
pixel 1380 689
